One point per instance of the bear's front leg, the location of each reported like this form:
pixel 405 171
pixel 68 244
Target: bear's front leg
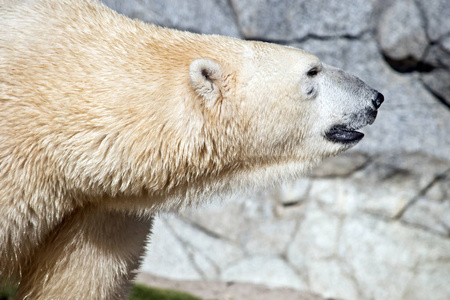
pixel 93 255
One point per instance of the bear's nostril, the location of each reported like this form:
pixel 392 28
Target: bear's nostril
pixel 378 100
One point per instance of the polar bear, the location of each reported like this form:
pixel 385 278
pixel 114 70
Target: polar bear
pixel 105 121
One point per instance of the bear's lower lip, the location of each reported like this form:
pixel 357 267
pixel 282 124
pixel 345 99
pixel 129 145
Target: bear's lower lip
pixel 344 135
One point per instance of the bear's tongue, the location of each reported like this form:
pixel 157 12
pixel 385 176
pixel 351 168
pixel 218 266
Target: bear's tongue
pixel 343 134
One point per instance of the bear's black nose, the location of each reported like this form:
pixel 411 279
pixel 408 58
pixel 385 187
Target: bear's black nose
pixel 378 100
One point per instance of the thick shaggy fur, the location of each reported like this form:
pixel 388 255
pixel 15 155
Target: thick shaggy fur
pixel 105 121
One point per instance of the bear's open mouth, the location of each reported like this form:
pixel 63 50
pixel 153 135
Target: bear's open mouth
pixel 343 134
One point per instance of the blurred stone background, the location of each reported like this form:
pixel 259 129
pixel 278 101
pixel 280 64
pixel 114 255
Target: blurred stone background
pixel 373 223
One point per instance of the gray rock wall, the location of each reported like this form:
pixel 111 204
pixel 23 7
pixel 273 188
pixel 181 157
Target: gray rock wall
pixel 371 224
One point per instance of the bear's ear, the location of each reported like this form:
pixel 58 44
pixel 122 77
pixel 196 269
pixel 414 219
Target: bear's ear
pixel 205 75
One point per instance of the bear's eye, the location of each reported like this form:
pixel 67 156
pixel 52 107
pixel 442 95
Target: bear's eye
pixel 313 72
pixel 310 92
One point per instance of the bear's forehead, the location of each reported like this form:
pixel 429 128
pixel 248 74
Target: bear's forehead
pixel 269 55
pixel 288 65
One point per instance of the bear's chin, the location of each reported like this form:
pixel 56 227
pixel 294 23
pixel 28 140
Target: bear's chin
pixel 343 135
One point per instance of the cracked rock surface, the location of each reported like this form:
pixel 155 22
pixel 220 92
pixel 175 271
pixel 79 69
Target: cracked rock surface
pixel 373 223
pixel 415 36
pixel 344 236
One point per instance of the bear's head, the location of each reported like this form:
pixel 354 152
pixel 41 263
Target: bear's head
pixel 284 106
